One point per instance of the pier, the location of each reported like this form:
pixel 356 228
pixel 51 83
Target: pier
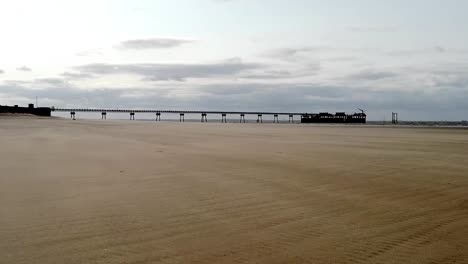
pixel 203 114
pixel 324 117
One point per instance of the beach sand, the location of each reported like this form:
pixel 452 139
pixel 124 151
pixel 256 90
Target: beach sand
pixel 144 192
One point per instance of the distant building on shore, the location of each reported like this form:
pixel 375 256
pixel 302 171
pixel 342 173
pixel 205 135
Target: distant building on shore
pixel 39 111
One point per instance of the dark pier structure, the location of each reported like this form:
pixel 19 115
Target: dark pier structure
pixel 339 117
pixel 39 111
pixel 394 118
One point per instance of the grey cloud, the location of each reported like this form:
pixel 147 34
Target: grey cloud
pixel 24 68
pixel 306 70
pixel 268 96
pixel 296 53
pixel 2 71
pixel 170 72
pixel 413 105
pixel 406 52
pixel 50 81
pixel 341 58
pixel 439 49
pixel 427 51
pixel 42 82
pixel 440 76
pixel 15 82
pixel 152 43
pixel 444 80
pixel 283 53
pixel 212 97
pixel 372 75
pixel 269 75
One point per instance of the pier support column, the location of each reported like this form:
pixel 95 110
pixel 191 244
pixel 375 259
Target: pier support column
pixel 203 118
pixel 275 118
pixel 394 118
pixel 158 116
pixel 291 118
pixel 103 115
pixel 242 118
pixel 182 117
pixel 72 115
pixel 223 118
pixel 132 116
pixel 260 118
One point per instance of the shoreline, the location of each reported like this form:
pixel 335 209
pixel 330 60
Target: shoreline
pixel 370 124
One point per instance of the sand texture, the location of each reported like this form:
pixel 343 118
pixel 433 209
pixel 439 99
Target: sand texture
pixel 146 192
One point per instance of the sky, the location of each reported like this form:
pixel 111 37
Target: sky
pixel 405 56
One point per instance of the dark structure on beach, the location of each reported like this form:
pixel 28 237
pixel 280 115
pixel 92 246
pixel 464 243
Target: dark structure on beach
pixel 339 117
pixel 39 111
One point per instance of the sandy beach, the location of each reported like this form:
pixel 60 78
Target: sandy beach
pixel 111 191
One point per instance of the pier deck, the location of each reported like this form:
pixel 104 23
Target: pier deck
pixel 107 110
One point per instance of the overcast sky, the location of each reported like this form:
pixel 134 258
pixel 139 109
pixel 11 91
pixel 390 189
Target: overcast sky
pixel 406 56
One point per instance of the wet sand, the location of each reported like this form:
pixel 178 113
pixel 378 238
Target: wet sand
pixel 145 192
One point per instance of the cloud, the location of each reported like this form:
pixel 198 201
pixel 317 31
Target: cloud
pixel 2 71
pixel 427 51
pixel 439 49
pixel 268 75
pixel 50 81
pixel 305 70
pixel 76 75
pixel 152 43
pixel 39 83
pixel 170 72
pixel 290 53
pixel 341 59
pixel 24 68
pixel 446 78
pixel 294 54
pixel 372 75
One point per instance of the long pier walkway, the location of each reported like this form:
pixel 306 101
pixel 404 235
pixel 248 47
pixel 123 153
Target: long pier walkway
pixel 182 113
